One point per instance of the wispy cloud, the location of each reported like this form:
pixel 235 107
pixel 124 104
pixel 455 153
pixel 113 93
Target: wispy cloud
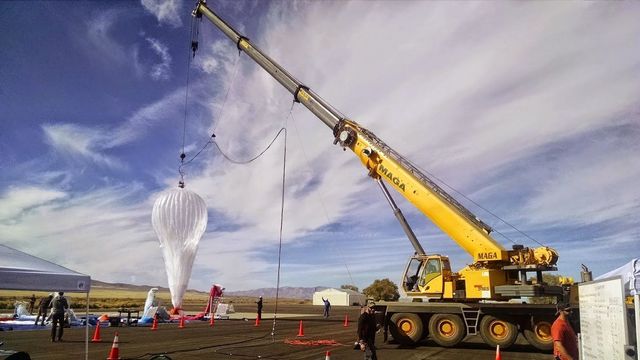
pixel 103 46
pixel 80 142
pixel 17 200
pixel 75 229
pixel 164 110
pixel 99 35
pixel 166 11
pixel 162 70
pixel 590 184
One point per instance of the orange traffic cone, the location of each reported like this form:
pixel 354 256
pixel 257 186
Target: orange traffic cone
pixel 498 357
pixel 212 320
pixel 114 354
pixel 181 326
pixel 257 321
pixel 96 334
pixel 154 326
pixel 346 320
pixel 328 356
pixel 300 330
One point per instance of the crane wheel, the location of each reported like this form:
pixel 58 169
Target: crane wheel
pixel 446 329
pixel 495 331
pixel 538 334
pixel 406 328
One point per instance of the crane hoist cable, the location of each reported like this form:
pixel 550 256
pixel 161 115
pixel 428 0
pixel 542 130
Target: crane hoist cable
pixel 340 254
pixel 481 207
pixel 194 46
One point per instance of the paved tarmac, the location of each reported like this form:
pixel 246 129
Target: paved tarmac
pixel 240 339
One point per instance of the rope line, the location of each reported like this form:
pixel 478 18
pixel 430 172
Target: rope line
pixel 284 168
pixel 255 157
pixel 218 116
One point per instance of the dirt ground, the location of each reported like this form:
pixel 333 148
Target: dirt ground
pixel 240 339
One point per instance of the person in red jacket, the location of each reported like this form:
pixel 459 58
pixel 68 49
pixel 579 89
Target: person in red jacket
pixel 565 341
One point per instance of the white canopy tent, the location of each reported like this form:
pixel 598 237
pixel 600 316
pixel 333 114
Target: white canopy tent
pixel 339 297
pixel 21 271
pixel 630 273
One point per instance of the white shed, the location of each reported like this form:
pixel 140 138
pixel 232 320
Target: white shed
pixel 339 297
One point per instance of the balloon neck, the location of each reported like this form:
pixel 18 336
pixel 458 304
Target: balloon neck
pixel 175 311
pixel 181 184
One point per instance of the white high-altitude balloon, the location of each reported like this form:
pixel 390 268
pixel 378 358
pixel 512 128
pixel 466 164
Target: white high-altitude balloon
pixel 179 218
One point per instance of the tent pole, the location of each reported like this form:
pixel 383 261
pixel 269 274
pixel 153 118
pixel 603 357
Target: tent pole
pixel 637 310
pixel 86 331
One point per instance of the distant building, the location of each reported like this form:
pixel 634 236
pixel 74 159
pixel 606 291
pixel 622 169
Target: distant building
pixel 339 297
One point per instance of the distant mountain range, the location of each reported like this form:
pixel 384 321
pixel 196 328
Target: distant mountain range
pixel 287 292
pixel 122 286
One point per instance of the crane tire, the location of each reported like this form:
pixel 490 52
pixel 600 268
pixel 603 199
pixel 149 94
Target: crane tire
pixel 406 328
pixel 498 331
pixel 538 334
pixel 447 330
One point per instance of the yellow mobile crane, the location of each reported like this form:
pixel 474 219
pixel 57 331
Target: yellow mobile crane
pixel 451 304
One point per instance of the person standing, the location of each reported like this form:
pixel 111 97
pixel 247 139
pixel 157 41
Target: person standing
pixel 327 307
pixel 565 341
pixel 259 302
pixel 367 328
pixel 32 303
pixel 43 306
pixel 59 306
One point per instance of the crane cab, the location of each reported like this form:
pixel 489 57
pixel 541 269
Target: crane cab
pixel 428 277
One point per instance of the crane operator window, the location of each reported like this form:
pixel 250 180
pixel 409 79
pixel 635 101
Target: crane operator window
pixel 411 279
pixel 432 270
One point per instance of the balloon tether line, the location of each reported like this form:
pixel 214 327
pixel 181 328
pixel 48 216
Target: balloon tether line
pixel 284 171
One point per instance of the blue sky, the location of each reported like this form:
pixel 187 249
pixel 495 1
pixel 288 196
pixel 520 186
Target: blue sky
pixel 530 109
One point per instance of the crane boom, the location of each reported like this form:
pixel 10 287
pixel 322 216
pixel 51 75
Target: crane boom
pixel 496 272
pixel 381 160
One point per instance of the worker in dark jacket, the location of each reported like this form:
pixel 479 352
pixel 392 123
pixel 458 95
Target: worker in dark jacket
pixel 327 307
pixel 32 303
pixel 259 302
pixel 59 306
pixel 43 306
pixel 367 333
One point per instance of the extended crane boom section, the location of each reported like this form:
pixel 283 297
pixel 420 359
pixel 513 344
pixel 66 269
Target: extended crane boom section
pixel 308 98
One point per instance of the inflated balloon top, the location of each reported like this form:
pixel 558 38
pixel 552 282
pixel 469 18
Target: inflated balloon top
pixel 179 218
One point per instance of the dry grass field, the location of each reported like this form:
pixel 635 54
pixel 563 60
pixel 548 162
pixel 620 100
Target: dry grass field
pixel 112 297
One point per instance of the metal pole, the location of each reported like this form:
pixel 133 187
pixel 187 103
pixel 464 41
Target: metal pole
pixel 403 221
pixel 86 330
pixel 636 301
